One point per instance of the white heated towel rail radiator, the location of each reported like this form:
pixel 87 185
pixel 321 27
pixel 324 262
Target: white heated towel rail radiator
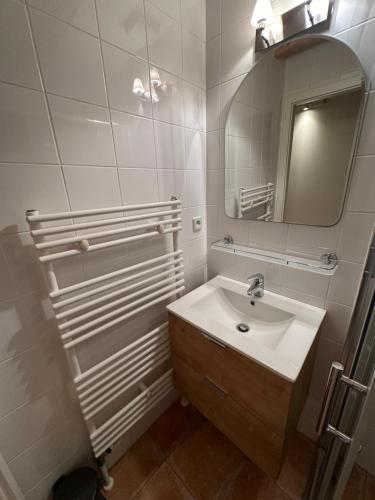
pixel 258 196
pixel 89 308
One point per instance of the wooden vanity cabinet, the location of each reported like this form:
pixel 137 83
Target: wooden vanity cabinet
pixel 251 405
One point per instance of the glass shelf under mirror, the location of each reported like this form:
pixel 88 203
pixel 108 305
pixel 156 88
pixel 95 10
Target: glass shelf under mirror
pixel 280 258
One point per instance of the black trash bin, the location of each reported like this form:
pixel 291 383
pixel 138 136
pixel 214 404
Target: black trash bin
pixel 82 484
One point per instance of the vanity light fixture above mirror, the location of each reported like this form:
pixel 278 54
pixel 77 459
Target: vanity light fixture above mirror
pixel 277 20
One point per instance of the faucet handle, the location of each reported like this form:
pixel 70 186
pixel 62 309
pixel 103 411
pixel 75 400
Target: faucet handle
pixel 258 276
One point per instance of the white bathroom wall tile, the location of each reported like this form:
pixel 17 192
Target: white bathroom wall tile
pixel 336 323
pixel 361 39
pixel 138 185
pixel 26 134
pixel 344 284
pixel 23 187
pixel 350 13
pixel 18 62
pixel 25 321
pixel 47 454
pixel 166 184
pixel 25 270
pixel 233 10
pixel 123 24
pixel 7 287
pixel 268 235
pixel 213 150
pixel 367 137
pixel 194 106
pixel 238 229
pixel 193 57
pixel 170 146
pixel 302 297
pixel 306 282
pixel 134 140
pixel 70 59
pixel 213 109
pixel 213 62
pixel 122 70
pixel 327 352
pixel 213 222
pixel 355 236
pixel 196 190
pixel 164 40
pixel 170 104
pixel 361 194
pixel 213 187
pixel 181 186
pixel 213 18
pixel 83 132
pixel 197 251
pixel 236 49
pixel 31 373
pixel 195 150
pixel 194 17
pixel 170 7
pixel 80 13
pixel 100 185
pixel 36 418
pixel 312 240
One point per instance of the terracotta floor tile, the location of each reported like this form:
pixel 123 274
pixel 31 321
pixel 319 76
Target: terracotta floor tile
pixel 134 468
pixel 252 483
pixel 175 423
pixel 205 460
pixel 164 485
pixel 297 465
pixel 355 488
pixel 369 487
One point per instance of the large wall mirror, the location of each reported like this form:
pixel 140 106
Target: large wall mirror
pixel 290 134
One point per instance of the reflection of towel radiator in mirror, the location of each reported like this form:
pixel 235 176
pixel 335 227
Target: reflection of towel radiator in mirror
pixel 258 196
pixel 88 308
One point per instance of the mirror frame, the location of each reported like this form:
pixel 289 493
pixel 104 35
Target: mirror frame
pixel 259 56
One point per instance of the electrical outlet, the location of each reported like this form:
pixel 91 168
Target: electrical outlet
pixel 197 223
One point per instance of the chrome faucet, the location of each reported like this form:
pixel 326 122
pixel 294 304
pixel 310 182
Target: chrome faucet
pixel 256 285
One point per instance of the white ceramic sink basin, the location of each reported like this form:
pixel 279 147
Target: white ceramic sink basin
pixel 281 330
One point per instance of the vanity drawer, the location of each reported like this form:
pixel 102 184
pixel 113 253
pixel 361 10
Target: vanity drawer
pixel 197 350
pixel 259 443
pixel 262 392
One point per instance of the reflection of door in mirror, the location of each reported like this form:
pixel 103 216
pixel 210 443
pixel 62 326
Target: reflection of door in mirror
pixel 320 147
pixel 282 163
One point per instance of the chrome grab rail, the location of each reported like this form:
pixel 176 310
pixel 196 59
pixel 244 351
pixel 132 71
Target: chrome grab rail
pixel 337 369
pixel 336 375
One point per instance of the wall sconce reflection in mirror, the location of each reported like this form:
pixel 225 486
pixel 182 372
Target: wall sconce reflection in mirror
pixel 156 87
pixel 273 26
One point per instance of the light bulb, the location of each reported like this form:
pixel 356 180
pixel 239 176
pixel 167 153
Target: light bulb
pixel 154 96
pixel 138 88
pixel 262 11
pixel 155 77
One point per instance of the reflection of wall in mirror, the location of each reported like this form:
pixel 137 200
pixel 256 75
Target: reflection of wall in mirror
pixel 252 132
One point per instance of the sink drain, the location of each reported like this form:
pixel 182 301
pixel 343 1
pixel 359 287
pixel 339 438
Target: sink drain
pixel 243 327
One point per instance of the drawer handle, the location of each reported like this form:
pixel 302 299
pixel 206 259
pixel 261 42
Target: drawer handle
pixel 212 339
pixel 223 394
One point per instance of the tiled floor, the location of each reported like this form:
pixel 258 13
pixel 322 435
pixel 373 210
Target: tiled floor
pixel 184 457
